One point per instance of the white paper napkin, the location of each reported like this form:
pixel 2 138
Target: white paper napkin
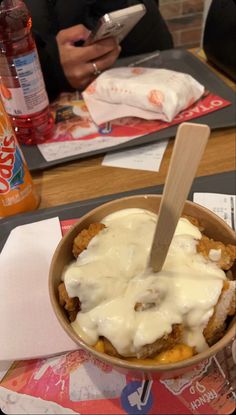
pixel 28 326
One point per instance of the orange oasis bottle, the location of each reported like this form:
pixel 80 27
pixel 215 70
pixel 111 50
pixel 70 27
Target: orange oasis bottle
pixel 17 193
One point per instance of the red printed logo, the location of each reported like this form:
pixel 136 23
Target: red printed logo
pixel 7 160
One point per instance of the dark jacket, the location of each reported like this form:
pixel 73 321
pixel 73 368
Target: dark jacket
pixel 219 41
pixel 51 16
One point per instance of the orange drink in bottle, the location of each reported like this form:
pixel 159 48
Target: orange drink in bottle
pixel 17 193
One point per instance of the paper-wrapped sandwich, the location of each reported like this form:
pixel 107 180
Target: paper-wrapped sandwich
pixel 148 93
pixel 118 305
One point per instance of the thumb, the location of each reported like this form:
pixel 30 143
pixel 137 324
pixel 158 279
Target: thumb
pixel 73 34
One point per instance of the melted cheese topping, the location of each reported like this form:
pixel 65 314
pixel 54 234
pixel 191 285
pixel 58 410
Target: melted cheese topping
pixel 124 301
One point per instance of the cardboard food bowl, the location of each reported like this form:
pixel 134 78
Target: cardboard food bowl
pixel 214 227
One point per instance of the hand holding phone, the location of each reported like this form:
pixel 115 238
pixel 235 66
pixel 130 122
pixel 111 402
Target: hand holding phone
pixel 81 64
pixel 117 24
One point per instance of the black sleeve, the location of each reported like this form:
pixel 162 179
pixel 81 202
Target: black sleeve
pixel 53 74
pixel 219 37
pixel 150 34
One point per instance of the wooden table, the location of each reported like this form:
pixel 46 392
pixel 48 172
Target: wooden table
pixel 85 179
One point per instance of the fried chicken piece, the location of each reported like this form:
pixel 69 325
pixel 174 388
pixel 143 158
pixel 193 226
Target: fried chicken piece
pixel 150 298
pixel 225 307
pixel 227 252
pixel 71 305
pixel 168 341
pixel 230 275
pixel 193 221
pixel 144 306
pixel 160 345
pixel 84 237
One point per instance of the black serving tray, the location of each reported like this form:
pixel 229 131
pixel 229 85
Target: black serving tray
pixel 175 59
pixel 218 183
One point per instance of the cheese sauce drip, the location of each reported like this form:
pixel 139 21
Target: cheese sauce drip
pixel 124 301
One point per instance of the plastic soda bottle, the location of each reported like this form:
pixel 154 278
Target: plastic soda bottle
pixel 22 86
pixel 17 193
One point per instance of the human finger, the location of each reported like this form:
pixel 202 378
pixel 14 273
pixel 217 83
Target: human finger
pixel 96 50
pixel 104 62
pixel 73 34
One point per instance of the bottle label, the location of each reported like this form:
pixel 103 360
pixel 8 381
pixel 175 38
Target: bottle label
pixel 12 170
pixel 11 165
pixel 31 96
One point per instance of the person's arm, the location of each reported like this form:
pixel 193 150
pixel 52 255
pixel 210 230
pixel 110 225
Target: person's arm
pixel 67 67
pixel 82 63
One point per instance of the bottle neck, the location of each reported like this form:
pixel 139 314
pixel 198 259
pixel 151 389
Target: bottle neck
pixel 15 21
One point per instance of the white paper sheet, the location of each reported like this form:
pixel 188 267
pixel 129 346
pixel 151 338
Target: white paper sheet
pixel 28 326
pixel 56 151
pixel 222 205
pixel 147 157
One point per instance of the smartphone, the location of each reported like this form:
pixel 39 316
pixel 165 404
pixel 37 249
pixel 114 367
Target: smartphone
pixel 117 24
